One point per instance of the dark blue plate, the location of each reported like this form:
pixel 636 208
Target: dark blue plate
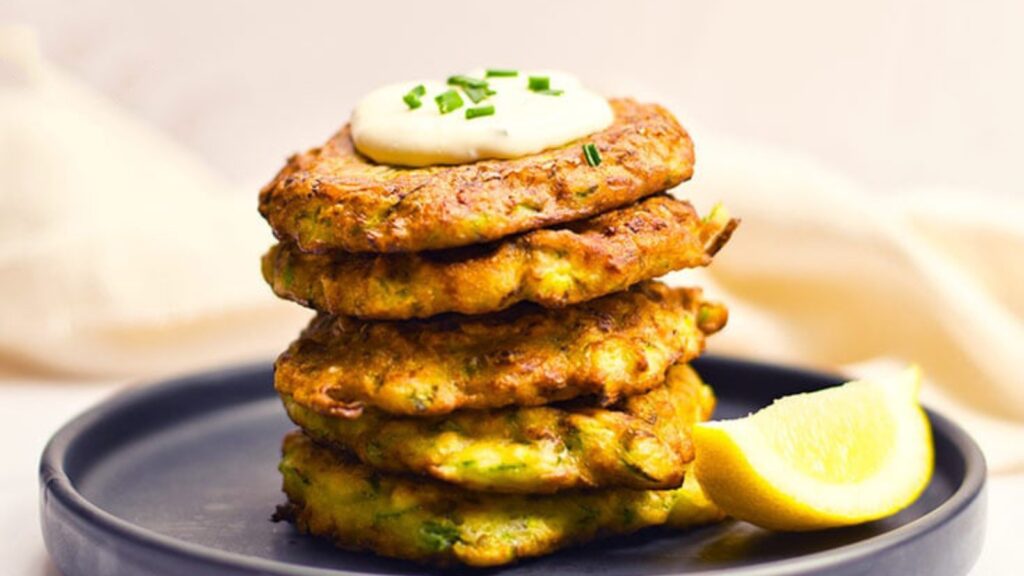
pixel 180 478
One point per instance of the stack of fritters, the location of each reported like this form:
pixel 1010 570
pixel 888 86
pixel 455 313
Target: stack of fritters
pixel 492 373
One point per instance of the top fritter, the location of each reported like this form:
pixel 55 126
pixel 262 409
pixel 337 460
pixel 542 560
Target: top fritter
pixel 333 198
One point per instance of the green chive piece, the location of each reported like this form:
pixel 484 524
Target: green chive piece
pixel 448 101
pixel 412 97
pixel 461 80
pixel 412 101
pixel 591 154
pixel 538 83
pixel 479 111
pixel 550 92
pixel 477 94
pixel 501 73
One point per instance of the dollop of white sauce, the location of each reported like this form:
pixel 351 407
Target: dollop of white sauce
pixel 385 129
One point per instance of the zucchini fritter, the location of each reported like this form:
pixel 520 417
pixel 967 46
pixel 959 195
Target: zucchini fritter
pixel 553 267
pixel 333 198
pixel 617 345
pixel 427 521
pixel 642 443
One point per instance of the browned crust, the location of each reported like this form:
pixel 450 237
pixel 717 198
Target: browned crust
pixel 619 345
pixel 642 442
pixel 332 198
pixel 553 267
pixel 360 508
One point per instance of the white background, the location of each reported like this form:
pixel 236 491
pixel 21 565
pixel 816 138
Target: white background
pixel 897 94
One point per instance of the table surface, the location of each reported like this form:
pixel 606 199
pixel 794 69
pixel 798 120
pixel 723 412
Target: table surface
pixel 31 411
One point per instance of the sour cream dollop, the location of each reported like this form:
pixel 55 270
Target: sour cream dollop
pixel 525 121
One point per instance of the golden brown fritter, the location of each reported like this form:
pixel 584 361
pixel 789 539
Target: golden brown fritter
pixel 643 442
pixel 333 198
pixel 553 267
pixel 618 345
pixel 359 508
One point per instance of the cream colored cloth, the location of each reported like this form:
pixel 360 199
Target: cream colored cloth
pixel 121 254
pixel 822 274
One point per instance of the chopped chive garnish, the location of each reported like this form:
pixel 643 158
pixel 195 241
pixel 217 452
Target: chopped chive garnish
pixel 412 97
pixel 538 83
pixel 448 101
pixel 461 80
pixel 412 101
pixel 479 111
pixel 477 94
pixel 591 154
pixel 501 73
pixel 550 92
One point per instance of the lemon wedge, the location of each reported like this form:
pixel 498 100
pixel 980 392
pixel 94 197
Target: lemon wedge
pixel 835 457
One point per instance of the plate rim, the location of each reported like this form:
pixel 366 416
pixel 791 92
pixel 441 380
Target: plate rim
pixel 55 483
